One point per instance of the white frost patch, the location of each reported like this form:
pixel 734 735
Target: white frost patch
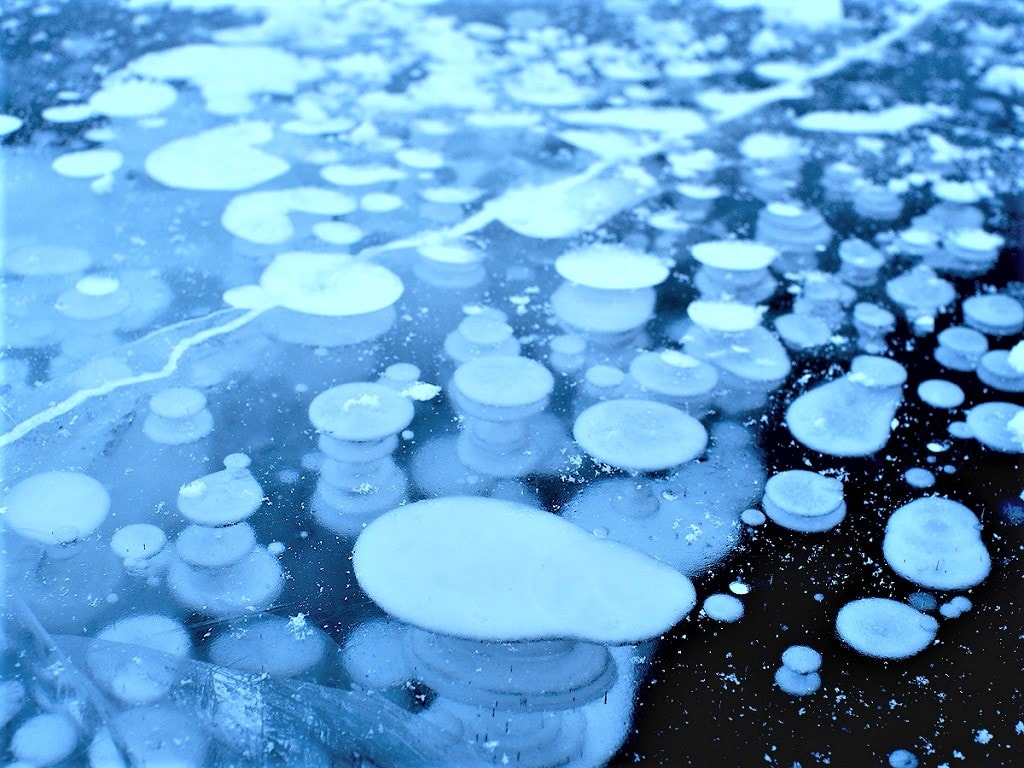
pixel 422 391
pixel 889 121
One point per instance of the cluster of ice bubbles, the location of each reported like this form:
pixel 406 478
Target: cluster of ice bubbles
pixel 538 356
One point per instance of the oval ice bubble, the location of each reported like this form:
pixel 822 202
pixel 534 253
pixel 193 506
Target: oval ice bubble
pixel 795 683
pixel 936 543
pixel 939 393
pixel 639 435
pixel 724 608
pixel 56 507
pixel 804 501
pixel 493 570
pixel 885 629
pixel 998 425
pixel 45 739
pixel 801 659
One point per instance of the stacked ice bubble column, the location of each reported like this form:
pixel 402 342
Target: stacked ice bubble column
pixel 483 331
pixel 798 675
pixel 751 362
pixel 859 263
pixel 144 469
pixel 872 324
pixel 688 519
pixel 967 253
pixel 851 416
pixel 877 203
pixel 325 305
pixel 510 608
pixel 804 501
pixel 608 297
pixel 675 378
pixel 734 270
pixel 220 570
pixel 56 562
pixel 359 425
pixel 499 396
pixel 840 180
pixel 771 164
pixel 92 310
pixel 922 295
pixel 35 276
pixel 799 234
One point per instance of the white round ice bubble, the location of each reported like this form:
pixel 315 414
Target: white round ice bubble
pixel 885 629
pixel 801 659
pixel 639 435
pixel 722 607
pixel 998 425
pixel 56 507
pixel 939 393
pixel 329 284
pixel 936 543
pixel 795 683
pixel 611 267
pixel 45 739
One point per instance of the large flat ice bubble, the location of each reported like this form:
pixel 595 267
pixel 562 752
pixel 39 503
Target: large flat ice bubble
pixel 328 284
pixel 936 543
pixel 611 267
pixel 263 217
pixel 230 75
pixel 804 501
pixel 224 158
pixel 495 570
pixel 639 435
pixel 851 416
pixel 998 425
pixel 885 629
pixel 56 507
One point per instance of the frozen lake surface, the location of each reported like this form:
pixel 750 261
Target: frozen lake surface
pixel 425 383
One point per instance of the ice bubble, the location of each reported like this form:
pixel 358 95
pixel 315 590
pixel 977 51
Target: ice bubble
pixel 889 121
pixel 56 507
pixel 360 175
pixel 45 739
pixel 1001 369
pixel 885 629
pixel 922 601
pixel 139 678
pixel 223 158
pixel 374 655
pixel 939 393
pixel 229 76
pixel 956 607
pixel 263 217
pixel 851 416
pixel 639 435
pixel 222 498
pixel 753 517
pixel 801 659
pixel 380 202
pixel 9 124
pixel 137 542
pixel 795 683
pixel 995 314
pixel 936 543
pixel 736 255
pixel 88 163
pixel 274 645
pixel 918 477
pixel 611 267
pixel 724 608
pixel 724 316
pixel 177 415
pixel 495 570
pixel 960 348
pixel 804 501
pixel 338 232
pixel 902 758
pixel 132 98
pixel 998 425
pixel 361 412
pixel 330 285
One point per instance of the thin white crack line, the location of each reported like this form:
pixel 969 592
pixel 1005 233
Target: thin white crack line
pixel 83 395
